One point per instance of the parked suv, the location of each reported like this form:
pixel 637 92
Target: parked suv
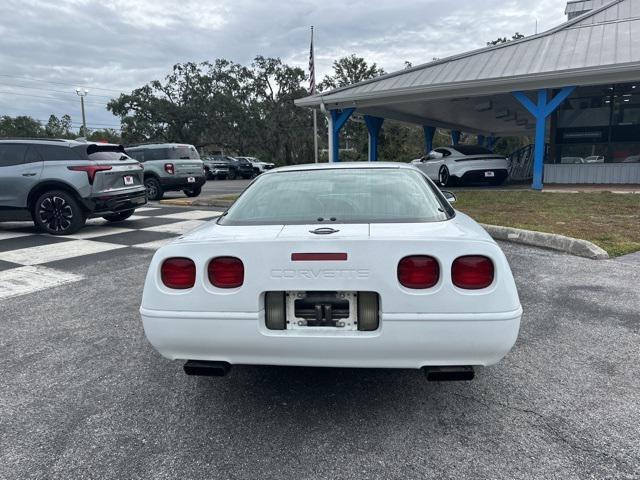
pixel 261 166
pixel 170 167
pixel 60 183
pixel 246 168
pixel 218 167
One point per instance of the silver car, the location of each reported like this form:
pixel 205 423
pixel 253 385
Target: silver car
pixel 60 183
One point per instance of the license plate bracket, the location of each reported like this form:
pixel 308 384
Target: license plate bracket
pixel 326 310
pixel 489 174
pixel 128 180
pixel 191 179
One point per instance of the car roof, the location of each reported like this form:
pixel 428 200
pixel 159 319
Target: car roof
pixel 159 145
pixel 341 166
pixel 43 141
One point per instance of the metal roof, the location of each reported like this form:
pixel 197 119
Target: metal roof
pixel 599 47
pixel 584 5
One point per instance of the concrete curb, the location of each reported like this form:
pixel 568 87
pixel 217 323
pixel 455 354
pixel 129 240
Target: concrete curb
pixel 573 246
pixel 197 202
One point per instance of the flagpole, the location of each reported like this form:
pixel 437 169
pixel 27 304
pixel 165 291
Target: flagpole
pixel 312 80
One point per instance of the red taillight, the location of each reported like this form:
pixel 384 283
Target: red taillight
pixel 91 170
pixel 226 272
pixel 418 271
pixel 178 273
pixel 472 272
pixel 169 168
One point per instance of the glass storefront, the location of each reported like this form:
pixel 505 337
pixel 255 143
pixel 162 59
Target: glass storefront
pixel 599 124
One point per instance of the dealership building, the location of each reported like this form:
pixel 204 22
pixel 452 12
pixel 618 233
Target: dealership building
pixel 575 89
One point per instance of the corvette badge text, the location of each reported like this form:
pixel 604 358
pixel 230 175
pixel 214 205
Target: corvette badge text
pixel 320 273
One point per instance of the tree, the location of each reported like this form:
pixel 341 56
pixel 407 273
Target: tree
pixel 497 41
pixel 21 126
pixel 108 135
pixel 59 128
pixel 238 109
pixel 349 70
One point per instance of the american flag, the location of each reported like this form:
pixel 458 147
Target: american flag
pixel 312 69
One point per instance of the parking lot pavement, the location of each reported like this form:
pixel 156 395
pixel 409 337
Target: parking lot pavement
pixel 31 262
pixel 216 187
pixel 84 396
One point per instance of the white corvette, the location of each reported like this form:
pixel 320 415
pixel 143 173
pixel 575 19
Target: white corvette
pixel 450 166
pixel 335 265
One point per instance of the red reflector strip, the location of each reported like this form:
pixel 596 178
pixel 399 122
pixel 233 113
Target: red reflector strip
pixel 318 257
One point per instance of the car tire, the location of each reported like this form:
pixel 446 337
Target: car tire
pixel 57 212
pixel 444 178
pixel 118 217
pixel 231 175
pixel 194 192
pixel 154 189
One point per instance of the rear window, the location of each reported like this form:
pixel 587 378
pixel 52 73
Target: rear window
pixel 389 195
pixel 12 154
pixel 54 152
pixel 472 150
pixel 184 152
pixel 106 152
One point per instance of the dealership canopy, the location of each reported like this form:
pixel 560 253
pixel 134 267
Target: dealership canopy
pixel 507 89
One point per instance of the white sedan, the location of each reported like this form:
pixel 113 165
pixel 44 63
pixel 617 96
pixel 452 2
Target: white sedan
pixel 335 265
pixel 450 166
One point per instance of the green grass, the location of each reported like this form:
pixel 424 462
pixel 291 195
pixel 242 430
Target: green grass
pixel 611 221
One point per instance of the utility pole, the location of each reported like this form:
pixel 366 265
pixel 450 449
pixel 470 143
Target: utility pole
pixel 82 92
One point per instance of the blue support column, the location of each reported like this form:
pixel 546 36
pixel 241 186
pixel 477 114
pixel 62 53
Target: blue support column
pixel 481 140
pixel 540 111
pixel 374 124
pixel 455 137
pixel 429 132
pixel 337 120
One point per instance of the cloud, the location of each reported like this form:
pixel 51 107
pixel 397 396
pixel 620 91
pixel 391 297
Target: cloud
pixel 117 45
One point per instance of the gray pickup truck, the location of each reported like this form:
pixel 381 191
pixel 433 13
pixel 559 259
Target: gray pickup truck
pixel 169 167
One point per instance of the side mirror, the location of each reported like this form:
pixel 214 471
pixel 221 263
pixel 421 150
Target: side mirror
pixel 451 198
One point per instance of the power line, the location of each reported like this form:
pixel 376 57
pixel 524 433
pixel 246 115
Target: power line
pixel 51 90
pixel 49 98
pixel 61 83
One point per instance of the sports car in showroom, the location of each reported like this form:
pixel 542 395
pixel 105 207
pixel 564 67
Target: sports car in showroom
pixel 335 265
pixel 460 164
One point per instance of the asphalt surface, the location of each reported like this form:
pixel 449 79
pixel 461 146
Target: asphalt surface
pixel 84 396
pixel 216 187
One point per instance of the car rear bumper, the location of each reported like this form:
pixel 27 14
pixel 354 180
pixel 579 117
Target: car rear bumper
pixel 181 183
pixel 402 341
pixel 478 176
pixel 116 202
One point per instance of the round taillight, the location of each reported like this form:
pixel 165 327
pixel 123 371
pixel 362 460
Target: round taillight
pixel 226 272
pixel 472 272
pixel 418 271
pixel 178 273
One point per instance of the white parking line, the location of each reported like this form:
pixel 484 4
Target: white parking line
pixel 8 235
pixel 177 228
pixel 97 231
pixel 192 215
pixel 57 251
pixel 146 209
pixel 23 280
pixel 155 245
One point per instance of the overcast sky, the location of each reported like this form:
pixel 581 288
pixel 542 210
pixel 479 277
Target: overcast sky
pixel 50 47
